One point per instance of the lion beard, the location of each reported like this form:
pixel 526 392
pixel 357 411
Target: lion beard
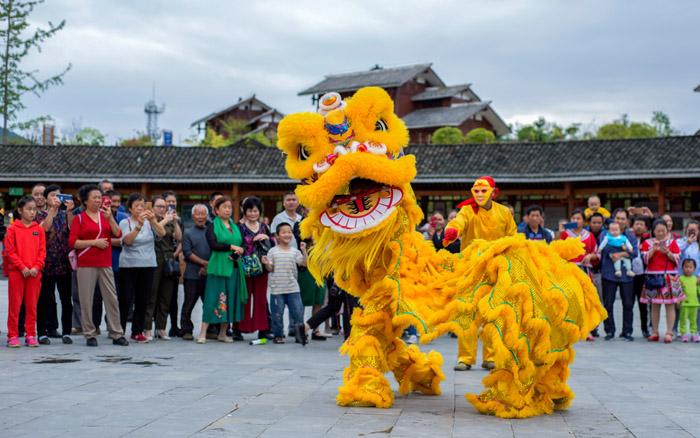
pixel 364 258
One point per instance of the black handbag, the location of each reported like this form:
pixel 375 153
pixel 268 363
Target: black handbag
pixel 262 247
pixel 171 268
pixel 655 282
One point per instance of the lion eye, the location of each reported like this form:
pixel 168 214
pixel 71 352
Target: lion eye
pixel 380 125
pixel 303 153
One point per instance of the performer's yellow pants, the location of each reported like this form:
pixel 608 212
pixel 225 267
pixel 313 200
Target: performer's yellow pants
pixel 467 349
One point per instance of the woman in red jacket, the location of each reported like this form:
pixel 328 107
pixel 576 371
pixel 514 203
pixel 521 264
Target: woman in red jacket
pixel 25 252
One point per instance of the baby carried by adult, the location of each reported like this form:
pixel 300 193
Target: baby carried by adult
pixel 619 243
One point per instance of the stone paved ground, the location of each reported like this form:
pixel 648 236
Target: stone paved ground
pixel 178 388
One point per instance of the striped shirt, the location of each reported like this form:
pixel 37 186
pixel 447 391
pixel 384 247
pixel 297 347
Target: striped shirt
pixel 283 278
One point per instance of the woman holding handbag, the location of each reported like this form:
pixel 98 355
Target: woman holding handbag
pixel 226 292
pixel 256 243
pixel 662 285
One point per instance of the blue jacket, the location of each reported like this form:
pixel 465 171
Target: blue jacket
pixel 607 270
pixel 541 233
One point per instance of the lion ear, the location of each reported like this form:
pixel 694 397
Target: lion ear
pixel 298 128
pixel 371 113
pixel 303 139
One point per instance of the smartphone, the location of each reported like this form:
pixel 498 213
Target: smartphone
pixel 106 201
pixel 171 208
pixel 571 225
pixel 149 205
pixel 63 198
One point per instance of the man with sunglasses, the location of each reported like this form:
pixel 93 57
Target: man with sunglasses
pixel 479 217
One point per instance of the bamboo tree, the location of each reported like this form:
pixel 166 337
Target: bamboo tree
pixel 18 42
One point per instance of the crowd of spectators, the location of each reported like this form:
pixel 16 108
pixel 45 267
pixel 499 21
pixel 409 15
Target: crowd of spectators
pixel 124 257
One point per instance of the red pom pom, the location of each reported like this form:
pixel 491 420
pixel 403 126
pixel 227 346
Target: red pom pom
pixel 450 236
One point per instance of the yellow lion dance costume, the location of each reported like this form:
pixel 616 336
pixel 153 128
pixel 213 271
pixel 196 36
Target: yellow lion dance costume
pixel 521 297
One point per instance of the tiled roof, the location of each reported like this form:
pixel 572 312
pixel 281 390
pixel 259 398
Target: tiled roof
pixel 442 116
pixel 440 92
pixel 250 162
pixel 246 161
pixel 591 160
pixel 381 77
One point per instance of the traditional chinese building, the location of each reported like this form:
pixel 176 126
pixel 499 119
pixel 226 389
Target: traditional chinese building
pixel 257 115
pixel 421 99
pixel 559 175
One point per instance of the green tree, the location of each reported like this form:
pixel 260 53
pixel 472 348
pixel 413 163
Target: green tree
pixel 214 140
pixel 623 128
pixel 542 131
pixel 89 136
pixel 447 135
pixel 662 123
pixel 233 129
pixel 140 139
pixel 480 136
pixel 18 42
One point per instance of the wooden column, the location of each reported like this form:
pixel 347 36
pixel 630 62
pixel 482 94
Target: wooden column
pixel 570 198
pixel 236 198
pixel 146 190
pixel 660 189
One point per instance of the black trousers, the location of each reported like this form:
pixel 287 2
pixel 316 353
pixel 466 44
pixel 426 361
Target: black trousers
pixel 46 316
pixel 194 290
pixel 627 295
pixel 335 301
pixel 173 308
pixel 135 286
pixel 638 284
pixel 349 304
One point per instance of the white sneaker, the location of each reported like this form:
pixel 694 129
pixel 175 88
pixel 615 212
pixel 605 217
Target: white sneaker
pixel 413 339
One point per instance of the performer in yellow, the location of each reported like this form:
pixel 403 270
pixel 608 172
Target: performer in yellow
pixel 479 217
pixel 529 302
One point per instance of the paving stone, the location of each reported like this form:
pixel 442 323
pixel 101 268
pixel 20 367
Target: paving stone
pixel 179 388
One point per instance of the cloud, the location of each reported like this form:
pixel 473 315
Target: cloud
pixel 569 61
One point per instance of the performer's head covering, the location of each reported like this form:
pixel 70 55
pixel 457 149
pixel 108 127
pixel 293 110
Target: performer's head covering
pixel 483 191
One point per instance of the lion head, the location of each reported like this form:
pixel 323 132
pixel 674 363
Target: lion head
pixel 350 159
pixel 355 176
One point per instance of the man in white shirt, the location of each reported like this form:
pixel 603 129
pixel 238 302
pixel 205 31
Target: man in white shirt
pixel 289 215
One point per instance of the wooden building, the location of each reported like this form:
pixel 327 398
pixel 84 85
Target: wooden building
pixel 258 116
pixel 661 173
pixel 421 99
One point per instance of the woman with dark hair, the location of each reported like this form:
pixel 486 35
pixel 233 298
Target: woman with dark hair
pixel 55 221
pixel 256 241
pixel 137 262
pixel 90 235
pixel 584 260
pixel 689 245
pixel 662 255
pixel 226 291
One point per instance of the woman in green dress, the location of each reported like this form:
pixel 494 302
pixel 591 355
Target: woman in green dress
pixel 225 294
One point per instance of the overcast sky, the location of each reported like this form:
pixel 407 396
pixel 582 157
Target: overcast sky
pixel 584 61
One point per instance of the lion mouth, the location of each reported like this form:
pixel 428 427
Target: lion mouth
pixel 363 204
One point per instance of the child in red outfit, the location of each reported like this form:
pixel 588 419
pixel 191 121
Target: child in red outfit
pixel 24 254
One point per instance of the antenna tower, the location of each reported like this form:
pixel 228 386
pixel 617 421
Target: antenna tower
pixel 152 111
